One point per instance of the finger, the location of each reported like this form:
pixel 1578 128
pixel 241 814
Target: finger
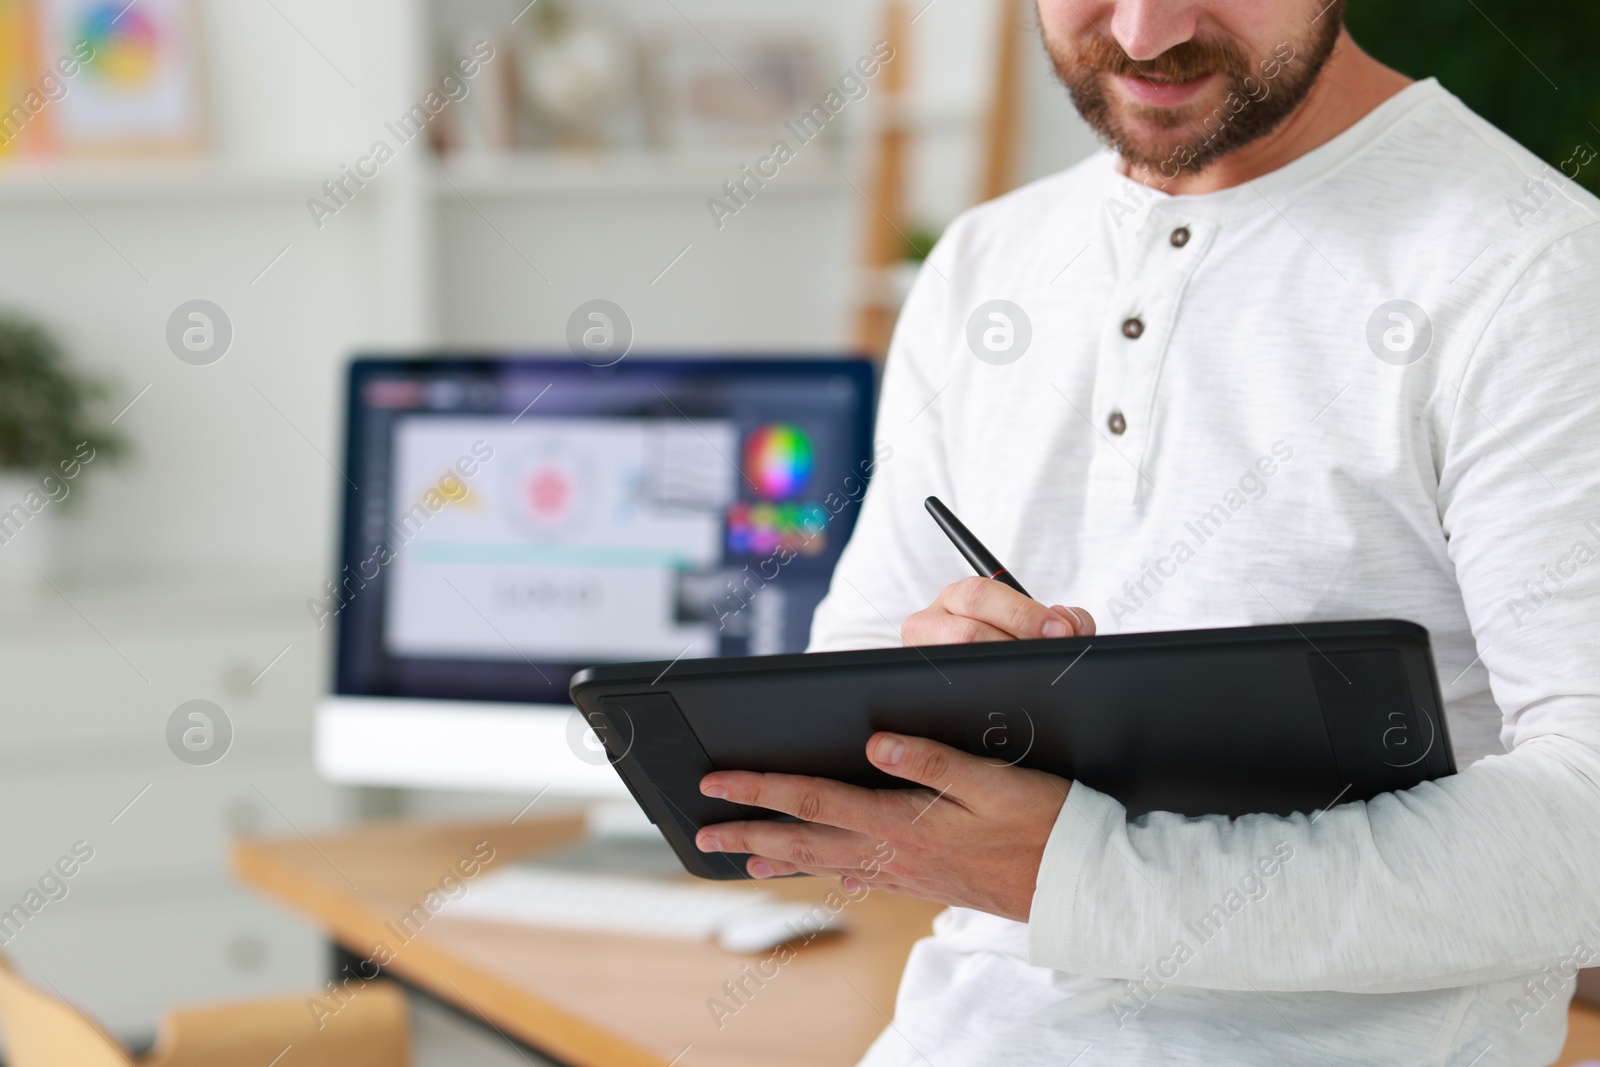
pixel 853 880
pixel 1002 607
pixel 812 800
pixel 949 772
pixel 1084 622
pixel 801 844
pixel 767 867
pixel 856 884
pixel 936 626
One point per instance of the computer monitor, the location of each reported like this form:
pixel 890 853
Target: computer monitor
pixel 509 521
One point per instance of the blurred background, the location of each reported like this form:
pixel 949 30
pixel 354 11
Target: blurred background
pixel 336 177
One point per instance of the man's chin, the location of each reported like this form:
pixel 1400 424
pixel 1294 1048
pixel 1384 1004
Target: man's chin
pixel 1150 136
pixel 1152 148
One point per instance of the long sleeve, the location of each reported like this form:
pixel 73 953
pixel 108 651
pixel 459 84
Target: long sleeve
pixel 1489 874
pixel 897 561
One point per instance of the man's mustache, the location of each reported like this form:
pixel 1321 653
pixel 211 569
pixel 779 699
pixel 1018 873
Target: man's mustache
pixel 1182 62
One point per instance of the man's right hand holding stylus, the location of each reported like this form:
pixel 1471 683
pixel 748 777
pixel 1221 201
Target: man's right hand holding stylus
pixel 982 609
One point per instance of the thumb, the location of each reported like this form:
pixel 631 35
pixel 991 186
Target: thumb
pixel 1082 621
pixel 945 770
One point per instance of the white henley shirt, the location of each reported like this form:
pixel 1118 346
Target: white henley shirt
pixel 1217 421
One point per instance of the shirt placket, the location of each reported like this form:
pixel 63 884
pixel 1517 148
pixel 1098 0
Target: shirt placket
pixel 1159 259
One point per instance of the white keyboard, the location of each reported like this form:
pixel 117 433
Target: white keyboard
pixel 740 920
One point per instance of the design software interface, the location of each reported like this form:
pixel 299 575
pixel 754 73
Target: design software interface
pixel 508 522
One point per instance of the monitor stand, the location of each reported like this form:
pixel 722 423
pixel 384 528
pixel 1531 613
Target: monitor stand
pixel 620 841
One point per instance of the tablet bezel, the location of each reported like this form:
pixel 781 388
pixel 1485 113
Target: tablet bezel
pixel 679 810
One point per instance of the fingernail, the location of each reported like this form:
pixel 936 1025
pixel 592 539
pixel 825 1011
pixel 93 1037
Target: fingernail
pixel 851 885
pixel 760 869
pixel 709 844
pixel 890 750
pixel 1082 617
pixel 1055 628
pixel 714 791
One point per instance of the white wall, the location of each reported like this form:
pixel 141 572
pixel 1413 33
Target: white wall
pixel 233 462
pixel 233 465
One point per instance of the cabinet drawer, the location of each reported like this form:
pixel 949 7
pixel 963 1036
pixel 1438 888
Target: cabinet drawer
pixel 80 691
pixel 183 818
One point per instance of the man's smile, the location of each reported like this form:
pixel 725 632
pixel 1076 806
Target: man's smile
pixel 1154 90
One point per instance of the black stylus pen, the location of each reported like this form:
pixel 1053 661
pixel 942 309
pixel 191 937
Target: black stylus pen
pixel 981 558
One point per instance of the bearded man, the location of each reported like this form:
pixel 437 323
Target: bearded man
pixel 1309 341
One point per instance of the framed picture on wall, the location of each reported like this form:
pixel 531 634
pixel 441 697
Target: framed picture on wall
pixel 738 92
pixel 138 83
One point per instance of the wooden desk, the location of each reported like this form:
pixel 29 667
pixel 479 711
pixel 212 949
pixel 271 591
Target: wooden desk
pixel 1583 1036
pixel 613 1001
pixel 588 998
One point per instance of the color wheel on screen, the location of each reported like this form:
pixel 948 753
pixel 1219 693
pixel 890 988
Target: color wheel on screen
pixel 778 460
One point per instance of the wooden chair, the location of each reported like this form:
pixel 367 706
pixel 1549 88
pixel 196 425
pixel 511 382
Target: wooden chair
pixel 1583 1037
pixel 371 1030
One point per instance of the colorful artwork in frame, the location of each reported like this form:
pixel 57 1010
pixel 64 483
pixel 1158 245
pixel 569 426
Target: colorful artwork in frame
pixel 139 87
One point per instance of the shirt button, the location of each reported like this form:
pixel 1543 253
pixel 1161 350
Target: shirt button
pixel 1133 329
pixel 1180 236
pixel 1118 424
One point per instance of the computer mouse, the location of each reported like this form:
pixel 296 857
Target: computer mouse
pixel 768 925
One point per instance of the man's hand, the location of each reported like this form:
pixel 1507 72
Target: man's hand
pixel 971 837
pixel 982 609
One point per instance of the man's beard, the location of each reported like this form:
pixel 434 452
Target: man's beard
pixel 1216 126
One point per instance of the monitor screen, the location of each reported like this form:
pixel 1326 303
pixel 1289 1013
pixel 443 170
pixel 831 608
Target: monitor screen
pixel 510 521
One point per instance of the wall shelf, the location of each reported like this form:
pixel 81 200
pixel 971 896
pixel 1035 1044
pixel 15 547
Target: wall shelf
pixel 157 181
pixel 566 174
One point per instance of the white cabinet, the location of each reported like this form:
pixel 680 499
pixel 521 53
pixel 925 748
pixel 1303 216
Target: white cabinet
pixel 88 681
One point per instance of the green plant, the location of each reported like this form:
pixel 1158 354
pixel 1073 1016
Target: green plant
pixel 919 242
pixel 1529 68
pixel 553 17
pixel 45 404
